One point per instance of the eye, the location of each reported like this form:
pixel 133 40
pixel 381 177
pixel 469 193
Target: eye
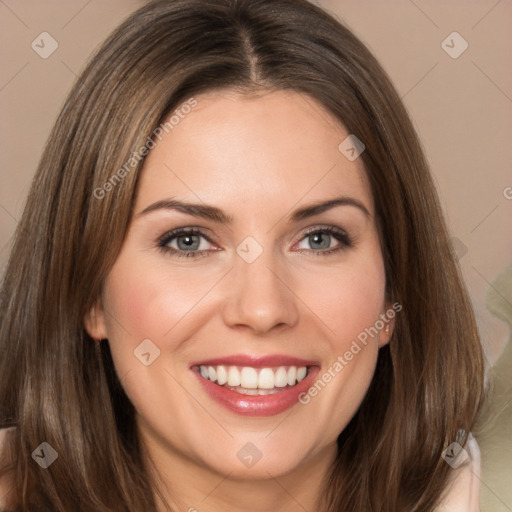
pixel 192 242
pixel 185 242
pixel 324 240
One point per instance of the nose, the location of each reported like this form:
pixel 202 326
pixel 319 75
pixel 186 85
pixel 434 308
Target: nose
pixel 260 298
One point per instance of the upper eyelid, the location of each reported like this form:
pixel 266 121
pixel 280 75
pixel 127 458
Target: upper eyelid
pixel 324 227
pixel 194 230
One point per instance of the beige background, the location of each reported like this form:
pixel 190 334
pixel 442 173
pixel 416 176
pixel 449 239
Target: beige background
pixel 461 108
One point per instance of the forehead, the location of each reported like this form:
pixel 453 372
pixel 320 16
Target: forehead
pixel 265 149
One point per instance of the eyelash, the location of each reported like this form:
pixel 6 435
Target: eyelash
pixel 340 235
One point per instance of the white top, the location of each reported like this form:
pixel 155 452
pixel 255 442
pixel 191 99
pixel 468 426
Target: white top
pixel 463 493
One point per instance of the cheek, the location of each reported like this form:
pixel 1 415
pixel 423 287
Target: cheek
pixel 138 306
pixel 348 300
pixel 148 299
pixel 360 299
pixel 145 300
pixel 349 304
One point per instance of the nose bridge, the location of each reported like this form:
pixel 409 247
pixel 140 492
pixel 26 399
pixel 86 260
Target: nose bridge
pixel 259 297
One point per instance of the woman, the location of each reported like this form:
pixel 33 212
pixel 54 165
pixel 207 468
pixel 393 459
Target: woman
pixel 232 287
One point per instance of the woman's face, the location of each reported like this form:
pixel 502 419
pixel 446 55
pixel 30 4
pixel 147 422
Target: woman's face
pixel 252 257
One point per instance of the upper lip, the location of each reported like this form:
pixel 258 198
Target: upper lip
pixel 256 361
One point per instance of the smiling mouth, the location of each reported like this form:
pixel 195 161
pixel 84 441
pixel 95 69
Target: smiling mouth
pixel 247 380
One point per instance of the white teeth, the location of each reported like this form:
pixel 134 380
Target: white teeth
pixel 301 373
pixel 244 391
pixel 248 378
pixel 266 378
pixel 292 375
pixel 281 378
pixel 254 381
pixel 233 376
pixel 222 375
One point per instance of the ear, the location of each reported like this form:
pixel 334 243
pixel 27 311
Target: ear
pixel 94 322
pixel 388 318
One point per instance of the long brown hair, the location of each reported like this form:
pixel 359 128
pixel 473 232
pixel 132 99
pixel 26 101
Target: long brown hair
pixel 58 386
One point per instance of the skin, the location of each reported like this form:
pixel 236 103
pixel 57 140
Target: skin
pixel 258 158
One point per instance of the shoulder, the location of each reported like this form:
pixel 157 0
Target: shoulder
pixel 463 491
pixel 6 458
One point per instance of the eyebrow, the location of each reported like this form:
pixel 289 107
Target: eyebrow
pixel 217 215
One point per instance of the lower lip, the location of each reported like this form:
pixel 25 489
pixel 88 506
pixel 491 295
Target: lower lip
pixel 258 405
